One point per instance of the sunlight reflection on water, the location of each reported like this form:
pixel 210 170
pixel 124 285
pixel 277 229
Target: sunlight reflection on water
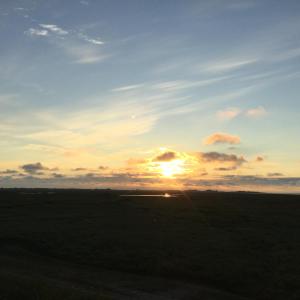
pixel 165 195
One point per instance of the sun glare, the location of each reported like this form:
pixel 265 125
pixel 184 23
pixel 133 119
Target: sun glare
pixel 171 168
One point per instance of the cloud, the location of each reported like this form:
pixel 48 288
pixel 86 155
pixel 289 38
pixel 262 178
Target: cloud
pixel 142 180
pixel 226 169
pixel 36 32
pixel 221 157
pixel 245 182
pixel 221 138
pixel 136 161
pixel 127 88
pixel 85 54
pixel 101 119
pixel 9 172
pixel 116 117
pixel 231 113
pixel 227 65
pixel 275 174
pixel 177 85
pixel 54 28
pixel 35 168
pixel 259 159
pixel 91 40
pixel 256 112
pixel 45 29
pixel 79 169
pixel 57 175
pixel 103 168
pixel 89 180
pixel 167 156
pixel 228 114
pixel 173 85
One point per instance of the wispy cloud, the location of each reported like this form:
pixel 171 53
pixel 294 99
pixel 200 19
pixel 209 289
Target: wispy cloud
pixel 82 48
pixel 227 65
pixel 172 86
pixel 177 85
pixel 229 113
pixel 91 40
pixel 84 2
pixel 233 112
pixel 36 32
pixel 83 54
pixel 256 112
pixel 45 30
pixel 54 28
pixel 127 88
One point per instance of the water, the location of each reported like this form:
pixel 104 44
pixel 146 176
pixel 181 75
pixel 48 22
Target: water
pixel 165 195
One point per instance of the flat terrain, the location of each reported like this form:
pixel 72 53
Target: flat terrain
pixel 76 244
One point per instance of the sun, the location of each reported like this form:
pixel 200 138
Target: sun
pixel 171 168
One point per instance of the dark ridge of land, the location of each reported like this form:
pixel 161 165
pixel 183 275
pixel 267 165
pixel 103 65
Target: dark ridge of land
pixel 94 244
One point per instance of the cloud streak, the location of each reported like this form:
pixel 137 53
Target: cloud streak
pixel 227 65
pixel 82 48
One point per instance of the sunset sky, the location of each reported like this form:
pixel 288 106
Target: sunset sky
pixel 150 94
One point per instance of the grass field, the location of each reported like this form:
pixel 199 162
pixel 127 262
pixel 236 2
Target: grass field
pixel 78 244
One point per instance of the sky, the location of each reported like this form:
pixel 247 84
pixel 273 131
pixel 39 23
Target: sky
pixel 150 94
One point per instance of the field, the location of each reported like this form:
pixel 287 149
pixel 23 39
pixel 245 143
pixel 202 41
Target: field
pixel 80 244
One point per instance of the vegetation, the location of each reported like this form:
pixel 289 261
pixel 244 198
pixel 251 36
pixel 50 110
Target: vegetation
pixel 68 244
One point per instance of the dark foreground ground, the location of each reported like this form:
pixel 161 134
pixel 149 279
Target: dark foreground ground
pixel 97 245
